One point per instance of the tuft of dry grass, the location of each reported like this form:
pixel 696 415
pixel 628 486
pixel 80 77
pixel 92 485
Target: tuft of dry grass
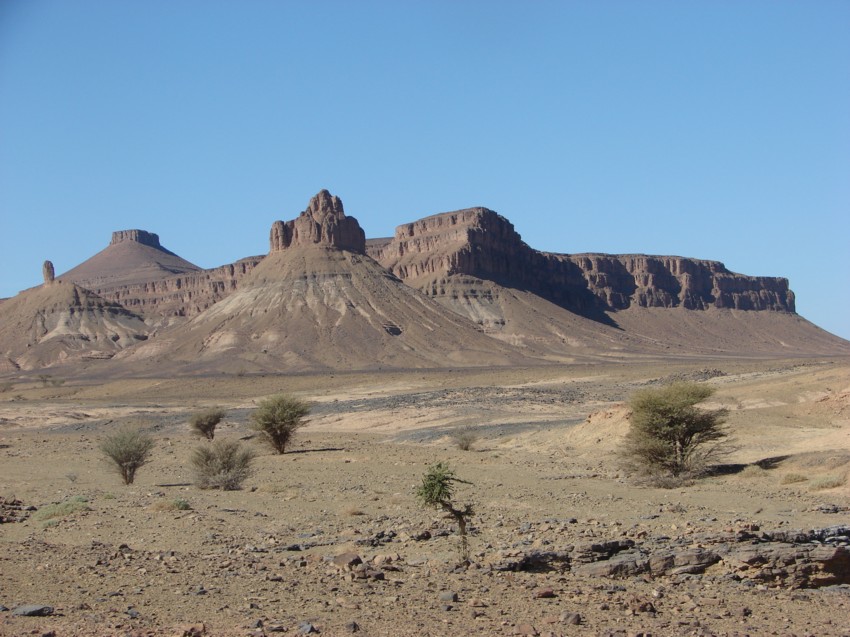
pixel 753 471
pixel 794 478
pixel 827 482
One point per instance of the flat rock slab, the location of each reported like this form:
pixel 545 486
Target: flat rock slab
pixel 33 610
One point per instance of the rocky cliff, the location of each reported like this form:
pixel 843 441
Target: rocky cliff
pixel 478 242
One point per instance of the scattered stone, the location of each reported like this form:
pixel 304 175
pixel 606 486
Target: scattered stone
pixel 448 596
pixel 352 627
pixel 306 628
pixel 526 629
pixel 572 619
pixel 347 561
pixel 544 593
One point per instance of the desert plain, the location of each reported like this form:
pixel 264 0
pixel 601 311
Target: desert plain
pixel 330 539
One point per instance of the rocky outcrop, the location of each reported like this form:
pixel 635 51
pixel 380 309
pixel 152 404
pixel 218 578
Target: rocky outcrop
pixel 322 223
pixel 136 236
pixel 48 272
pixel 479 243
pixel 797 559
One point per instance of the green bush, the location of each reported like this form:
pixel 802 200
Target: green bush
pixel 62 509
pixel 204 423
pixel 669 435
pixel 437 491
pixel 222 465
pixel 277 418
pixel 128 449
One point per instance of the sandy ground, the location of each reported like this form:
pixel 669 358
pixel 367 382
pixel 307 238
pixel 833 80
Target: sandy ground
pixel 543 477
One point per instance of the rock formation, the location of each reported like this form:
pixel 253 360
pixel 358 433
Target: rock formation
pixel 478 242
pixel 348 294
pixel 137 236
pixel 322 223
pixel 132 257
pixel 64 323
pixel 317 302
pixel 48 272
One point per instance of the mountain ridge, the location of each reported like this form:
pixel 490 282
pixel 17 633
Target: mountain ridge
pixel 470 265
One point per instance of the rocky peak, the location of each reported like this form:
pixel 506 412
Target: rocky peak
pixel 137 236
pixel 322 223
pixel 48 272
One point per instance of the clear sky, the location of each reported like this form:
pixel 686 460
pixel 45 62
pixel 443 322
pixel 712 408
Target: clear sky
pixel 709 129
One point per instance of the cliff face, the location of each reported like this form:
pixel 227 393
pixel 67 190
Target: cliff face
pixel 478 242
pixel 182 295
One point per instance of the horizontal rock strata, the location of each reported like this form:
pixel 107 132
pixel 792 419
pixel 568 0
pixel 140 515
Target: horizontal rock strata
pixel 478 242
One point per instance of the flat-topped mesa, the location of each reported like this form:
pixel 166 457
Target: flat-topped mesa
pixel 137 236
pixel 480 243
pixel 323 223
pixel 474 241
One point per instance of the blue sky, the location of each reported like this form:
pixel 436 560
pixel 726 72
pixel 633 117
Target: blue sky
pixel 708 129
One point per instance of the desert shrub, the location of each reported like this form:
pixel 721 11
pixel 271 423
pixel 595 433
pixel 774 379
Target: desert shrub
pixel 128 449
pixel 224 465
pixel 827 482
pixel 177 504
pixel 793 478
pixel 277 418
pixel 204 423
pixel 464 438
pixel 753 471
pixel 62 509
pixel 669 435
pixel 437 491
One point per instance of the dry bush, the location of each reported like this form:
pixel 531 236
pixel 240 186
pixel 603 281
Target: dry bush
pixel 793 478
pixel 277 418
pixel 464 438
pixel 204 423
pixel 128 449
pixel 222 465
